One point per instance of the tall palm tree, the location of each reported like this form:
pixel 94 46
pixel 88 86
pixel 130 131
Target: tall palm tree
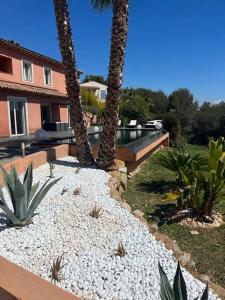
pixel 120 8
pixel 72 82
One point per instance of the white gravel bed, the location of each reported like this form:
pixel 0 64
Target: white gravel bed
pixel 63 225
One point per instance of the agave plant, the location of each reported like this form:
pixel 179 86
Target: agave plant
pixel 24 196
pixel 178 291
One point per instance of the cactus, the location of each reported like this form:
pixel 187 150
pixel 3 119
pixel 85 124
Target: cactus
pixel 179 291
pixel 24 196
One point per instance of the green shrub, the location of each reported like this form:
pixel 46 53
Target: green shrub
pixel 195 189
pixel 178 291
pixel 24 196
pixel 180 161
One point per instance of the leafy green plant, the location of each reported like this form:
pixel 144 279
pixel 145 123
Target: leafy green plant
pixel 198 191
pixel 24 196
pixel 178 291
pixel 183 164
pixel 180 161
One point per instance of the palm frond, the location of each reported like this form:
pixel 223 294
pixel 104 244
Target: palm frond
pixel 101 4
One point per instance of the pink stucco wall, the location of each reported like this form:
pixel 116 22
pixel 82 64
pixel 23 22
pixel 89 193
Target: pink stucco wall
pixel 58 76
pixel 4 121
pixel 33 101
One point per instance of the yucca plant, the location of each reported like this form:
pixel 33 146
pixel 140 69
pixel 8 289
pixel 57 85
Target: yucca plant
pixel 178 291
pixel 24 196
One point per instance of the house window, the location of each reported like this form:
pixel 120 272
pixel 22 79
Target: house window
pixel 47 76
pixel 27 71
pixel 5 64
pixel 17 110
pixel 103 94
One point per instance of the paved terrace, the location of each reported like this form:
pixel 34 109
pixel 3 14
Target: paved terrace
pixel 10 147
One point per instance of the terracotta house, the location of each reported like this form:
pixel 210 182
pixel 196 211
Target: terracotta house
pixel 32 90
pixel 100 90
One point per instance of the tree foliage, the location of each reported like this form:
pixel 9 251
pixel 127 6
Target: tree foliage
pixel 182 116
pixel 97 78
pixel 134 108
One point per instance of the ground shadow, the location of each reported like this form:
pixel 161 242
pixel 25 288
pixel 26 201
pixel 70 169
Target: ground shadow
pixel 65 163
pixel 3 221
pixel 72 164
pixel 156 186
pixel 163 213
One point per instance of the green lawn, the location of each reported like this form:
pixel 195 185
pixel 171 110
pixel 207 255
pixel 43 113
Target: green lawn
pixel 145 191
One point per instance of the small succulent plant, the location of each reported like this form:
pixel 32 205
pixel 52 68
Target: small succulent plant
pixel 56 269
pixel 179 291
pixel 120 251
pixel 95 212
pixel 51 168
pixel 76 192
pixel 24 196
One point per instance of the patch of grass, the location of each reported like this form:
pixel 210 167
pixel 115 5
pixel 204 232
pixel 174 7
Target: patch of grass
pixel 145 192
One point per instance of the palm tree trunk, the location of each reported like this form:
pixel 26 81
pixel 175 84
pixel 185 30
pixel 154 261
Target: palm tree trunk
pixel 107 149
pixel 72 82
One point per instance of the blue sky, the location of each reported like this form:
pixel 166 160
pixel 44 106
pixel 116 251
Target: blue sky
pixel 171 43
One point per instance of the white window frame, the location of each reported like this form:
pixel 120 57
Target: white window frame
pixel 100 92
pixel 32 70
pixel 26 127
pixel 49 69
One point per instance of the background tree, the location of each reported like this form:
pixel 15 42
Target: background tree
pixel 182 103
pixel 84 154
pixel 107 148
pixel 210 123
pixel 133 109
pixel 97 78
pixel 159 104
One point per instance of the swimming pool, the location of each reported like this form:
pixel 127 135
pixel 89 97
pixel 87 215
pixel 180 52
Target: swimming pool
pixel 134 139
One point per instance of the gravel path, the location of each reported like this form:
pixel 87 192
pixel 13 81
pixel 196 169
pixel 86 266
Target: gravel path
pixel 64 225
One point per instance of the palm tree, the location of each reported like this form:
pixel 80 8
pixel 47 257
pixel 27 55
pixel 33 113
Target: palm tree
pixel 120 8
pixel 84 154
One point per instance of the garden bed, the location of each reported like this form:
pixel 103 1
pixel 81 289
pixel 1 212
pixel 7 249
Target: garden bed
pixel 207 245
pixel 63 225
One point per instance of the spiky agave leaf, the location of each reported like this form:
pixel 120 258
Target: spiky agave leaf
pixel 179 286
pixel 205 294
pixel 166 291
pixel 27 184
pixel 39 197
